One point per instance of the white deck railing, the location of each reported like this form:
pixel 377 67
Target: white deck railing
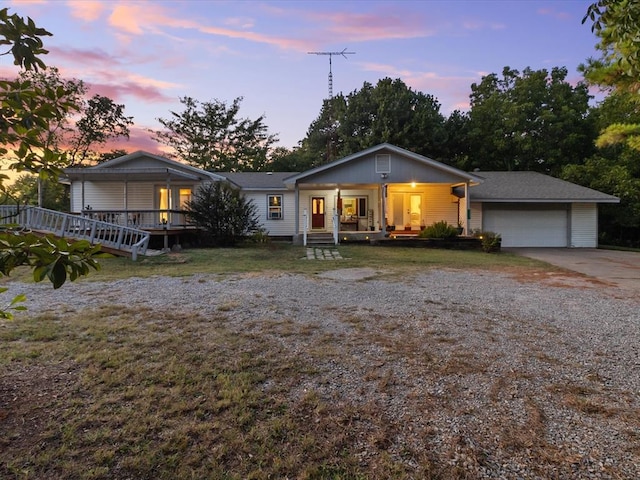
pixel 65 225
pixel 147 219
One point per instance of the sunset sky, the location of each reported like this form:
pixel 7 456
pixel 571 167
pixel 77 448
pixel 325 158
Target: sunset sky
pixel 147 54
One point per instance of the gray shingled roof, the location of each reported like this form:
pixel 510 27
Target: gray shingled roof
pixel 257 180
pixel 533 187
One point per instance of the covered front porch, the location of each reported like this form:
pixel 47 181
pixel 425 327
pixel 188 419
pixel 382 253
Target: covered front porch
pixel 382 191
pixel 368 212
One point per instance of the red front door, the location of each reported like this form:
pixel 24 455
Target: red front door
pixel 317 212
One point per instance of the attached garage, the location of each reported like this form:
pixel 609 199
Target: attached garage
pixel 528 225
pixel 530 209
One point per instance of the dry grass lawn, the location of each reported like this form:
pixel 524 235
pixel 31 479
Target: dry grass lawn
pixel 136 393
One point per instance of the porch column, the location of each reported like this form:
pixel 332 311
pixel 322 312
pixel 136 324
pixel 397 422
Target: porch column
pixel 125 220
pixel 126 194
pixel 82 204
pixel 383 203
pixel 467 201
pixel 169 200
pixel 297 209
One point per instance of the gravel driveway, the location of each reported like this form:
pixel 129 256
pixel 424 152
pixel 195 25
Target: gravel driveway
pixel 496 375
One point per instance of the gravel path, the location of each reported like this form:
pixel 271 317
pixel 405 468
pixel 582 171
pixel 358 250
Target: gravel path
pixel 501 377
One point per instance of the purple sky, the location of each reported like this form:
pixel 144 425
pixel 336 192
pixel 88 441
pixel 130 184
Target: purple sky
pixel 146 54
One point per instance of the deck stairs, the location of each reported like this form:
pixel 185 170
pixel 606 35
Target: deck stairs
pixel 318 239
pixel 117 239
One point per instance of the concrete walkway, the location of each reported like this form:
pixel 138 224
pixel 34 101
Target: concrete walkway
pixel 617 268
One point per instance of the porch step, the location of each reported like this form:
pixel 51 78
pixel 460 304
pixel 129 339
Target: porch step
pixel 320 239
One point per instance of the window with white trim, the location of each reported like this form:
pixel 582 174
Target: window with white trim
pixel 354 207
pixel 274 207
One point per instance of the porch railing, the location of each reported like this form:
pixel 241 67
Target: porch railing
pixel 65 225
pixel 145 219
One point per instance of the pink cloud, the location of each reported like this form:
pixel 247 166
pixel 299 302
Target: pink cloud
pixel 382 24
pixel 552 12
pixel 27 2
pixel 374 26
pixel 114 82
pixel 281 42
pixel 87 10
pixel 117 76
pixel 139 139
pixel 9 72
pixel 76 55
pixel 137 19
pixel 127 89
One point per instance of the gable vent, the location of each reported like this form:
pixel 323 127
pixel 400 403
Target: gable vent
pixel 383 163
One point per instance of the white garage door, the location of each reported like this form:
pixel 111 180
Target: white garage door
pixel 528 227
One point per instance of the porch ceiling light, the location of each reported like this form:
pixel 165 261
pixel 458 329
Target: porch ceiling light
pixel 413 184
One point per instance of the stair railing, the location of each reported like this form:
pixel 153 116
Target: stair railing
pixel 65 225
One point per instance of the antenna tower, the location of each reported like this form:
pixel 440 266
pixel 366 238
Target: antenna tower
pixel 332 134
pixel 344 53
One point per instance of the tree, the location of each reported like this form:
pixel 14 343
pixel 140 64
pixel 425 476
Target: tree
pixel 389 112
pixel 67 96
pixel 457 151
pixel 110 155
pixel 99 120
pixel 25 40
pixel 210 135
pixel 283 159
pixel 530 121
pixel 26 111
pixel 614 169
pixel 616 23
pixel 30 190
pixel 223 212
pixel 69 92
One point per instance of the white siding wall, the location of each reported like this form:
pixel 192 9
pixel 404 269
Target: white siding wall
pixel 275 228
pixel 100 196
pixel 584 225
pixel 439 205
pixel 476 216
pixel 75 197
pixel 140 196
pixel 111 195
